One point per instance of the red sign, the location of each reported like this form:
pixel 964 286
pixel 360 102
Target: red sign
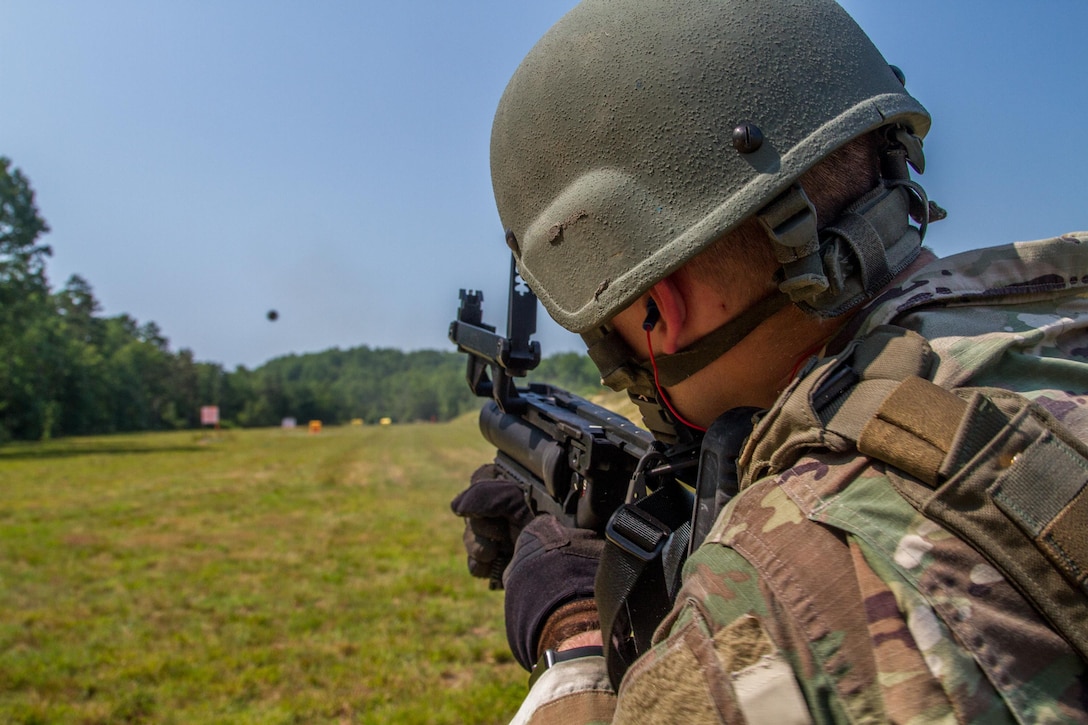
pixel 209 415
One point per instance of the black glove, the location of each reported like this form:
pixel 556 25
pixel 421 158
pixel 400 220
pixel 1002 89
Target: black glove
pixel 495 512
pixel 553 566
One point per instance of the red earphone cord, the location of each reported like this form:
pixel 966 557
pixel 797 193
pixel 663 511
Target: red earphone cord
pixel 661 392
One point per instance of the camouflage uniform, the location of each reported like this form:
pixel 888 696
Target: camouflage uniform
pixel 822 595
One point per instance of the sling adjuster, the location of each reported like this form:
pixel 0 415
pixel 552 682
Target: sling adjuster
pixel 637 533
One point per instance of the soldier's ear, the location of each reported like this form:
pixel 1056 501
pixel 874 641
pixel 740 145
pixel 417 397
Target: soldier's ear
pixel 672 307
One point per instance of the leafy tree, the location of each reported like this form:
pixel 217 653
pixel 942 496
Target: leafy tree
pixel 22 258
pixel 66 370
pixel 76 303
pixel 28 360
pixel 571 370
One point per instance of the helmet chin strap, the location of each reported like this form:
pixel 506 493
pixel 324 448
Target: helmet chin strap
pixel 645 381
pixel 825 272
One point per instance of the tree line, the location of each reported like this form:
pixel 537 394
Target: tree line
pixel 65 369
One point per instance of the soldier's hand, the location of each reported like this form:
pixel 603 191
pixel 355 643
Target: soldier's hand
pixel 495 512
pixel 549 587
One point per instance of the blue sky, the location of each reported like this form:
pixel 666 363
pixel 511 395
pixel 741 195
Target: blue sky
pixel 202 162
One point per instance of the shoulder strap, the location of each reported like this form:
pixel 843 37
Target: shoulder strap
pixel 987 464
pixel 827 407
pixel 648 541
pixel 645 547
pixel 1004 475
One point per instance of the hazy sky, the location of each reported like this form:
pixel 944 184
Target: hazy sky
pixel 201 162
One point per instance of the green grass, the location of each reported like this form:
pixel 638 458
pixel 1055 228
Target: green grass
pixel 260 576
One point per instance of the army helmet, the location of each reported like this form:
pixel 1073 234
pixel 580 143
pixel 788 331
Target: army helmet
pixel 637 132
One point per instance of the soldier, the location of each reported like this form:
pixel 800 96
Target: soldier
pixel 716 195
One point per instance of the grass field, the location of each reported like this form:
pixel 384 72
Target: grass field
pixel 259 576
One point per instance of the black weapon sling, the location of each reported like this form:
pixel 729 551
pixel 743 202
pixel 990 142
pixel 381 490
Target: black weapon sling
pixel 648 540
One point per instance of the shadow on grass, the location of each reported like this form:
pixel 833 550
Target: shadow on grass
pixel 92 450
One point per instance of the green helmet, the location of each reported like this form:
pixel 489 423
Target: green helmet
pixel 637 132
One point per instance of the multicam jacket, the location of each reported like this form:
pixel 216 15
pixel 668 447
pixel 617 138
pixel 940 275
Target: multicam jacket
pixel 822 595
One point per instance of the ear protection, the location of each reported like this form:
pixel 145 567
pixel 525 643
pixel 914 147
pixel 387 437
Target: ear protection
pixel 652 315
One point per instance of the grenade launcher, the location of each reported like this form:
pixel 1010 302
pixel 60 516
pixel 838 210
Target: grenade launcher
pixel 573 458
